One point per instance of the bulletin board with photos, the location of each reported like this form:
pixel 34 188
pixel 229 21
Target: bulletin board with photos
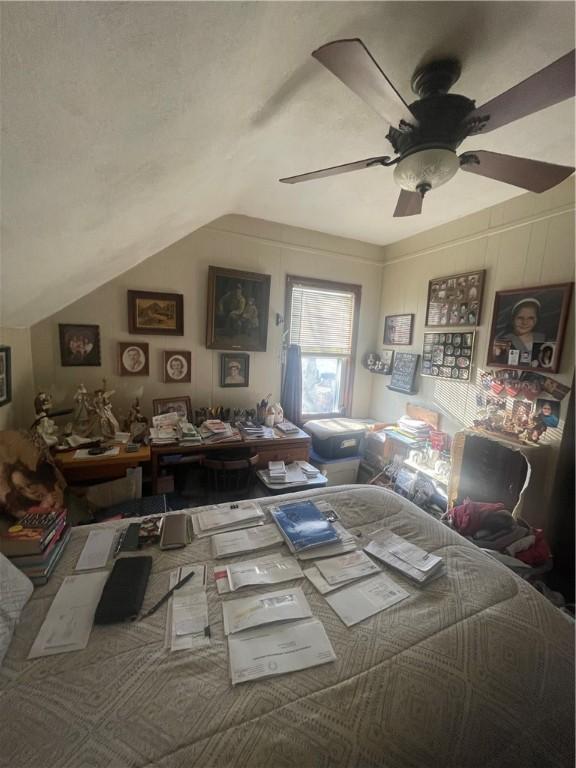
pixel 455 300
pixel 448 355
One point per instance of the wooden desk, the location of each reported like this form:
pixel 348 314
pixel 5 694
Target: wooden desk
pixel 288 448
pixel 99 467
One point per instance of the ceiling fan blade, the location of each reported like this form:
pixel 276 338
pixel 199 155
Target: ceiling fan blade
pixel 549 86
pixel 409 204
pixel 337 169
pixel 533 175
pixel 353 63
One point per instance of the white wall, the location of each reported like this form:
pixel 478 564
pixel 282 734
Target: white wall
pixel 19 413
pixel 233 241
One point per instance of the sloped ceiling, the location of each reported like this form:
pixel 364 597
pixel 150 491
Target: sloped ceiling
pixel 126 126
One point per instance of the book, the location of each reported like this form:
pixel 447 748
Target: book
pixel 303 525
pixel 40 576
pixel 31 535
pixel 41 557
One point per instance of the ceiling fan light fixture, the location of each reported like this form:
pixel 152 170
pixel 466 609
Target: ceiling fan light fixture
pixel 426 169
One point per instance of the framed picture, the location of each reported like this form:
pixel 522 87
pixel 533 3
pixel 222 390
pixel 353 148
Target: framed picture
pixel 237 310
pixel 448 355
pixel 386 361
pixel 234 370
pixel 5 376
pixel 398 329
pixel 153 312
pixel 455 300
pixel 528 327
pixel 180 405
pixel 133 358
pixel 79 344
pixel 177 366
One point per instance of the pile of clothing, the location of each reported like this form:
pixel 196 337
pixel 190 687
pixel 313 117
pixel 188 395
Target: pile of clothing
pixel 493 527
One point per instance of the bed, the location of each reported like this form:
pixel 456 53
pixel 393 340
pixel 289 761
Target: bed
pixel 475 669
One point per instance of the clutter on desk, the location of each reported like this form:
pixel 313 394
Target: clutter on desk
pixel 217 431
pixel 171 429
pixel 286 427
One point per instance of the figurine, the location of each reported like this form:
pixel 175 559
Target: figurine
pixel 102 406
pixel 83 419
pixel 44 427
pixel 136 423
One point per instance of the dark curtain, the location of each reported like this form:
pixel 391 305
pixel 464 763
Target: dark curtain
pixel 292 385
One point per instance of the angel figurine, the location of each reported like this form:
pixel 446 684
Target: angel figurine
pixel 44 427
pixel 102 406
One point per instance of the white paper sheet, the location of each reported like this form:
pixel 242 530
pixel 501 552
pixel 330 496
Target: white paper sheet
pixel 224 517
pixel 187 626
pixel 285 605
pixel 82 453
pixel 277 649
pixel 245 540
pixel 365 598
pixel 380 549
pixel 314 575
pixel 69 620
pixel 250 574
pixel 96 550
pixel 337 570
pixel 220 572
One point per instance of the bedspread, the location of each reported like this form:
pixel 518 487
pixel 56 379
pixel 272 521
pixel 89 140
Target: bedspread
pixel 474 669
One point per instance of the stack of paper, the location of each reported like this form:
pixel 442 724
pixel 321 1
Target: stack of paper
pixel 277 471
pixel 286 427
pixel 410 560
pixel 272 634
pixel 346 543
pixel 227 517
pixel 246 540
pixel 249 574
pixel 294 476
pixel 335 572
pixel 309 470
pixel 365 598
pixel 304 526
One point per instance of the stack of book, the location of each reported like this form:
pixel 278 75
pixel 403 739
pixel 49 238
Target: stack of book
pixel 216 431
pixel 304 526
pixel 277 471
pixel 163 435
pixel 411 561
pixel 287 427
pixel 414 428
pixel 189 435
pixel 36 544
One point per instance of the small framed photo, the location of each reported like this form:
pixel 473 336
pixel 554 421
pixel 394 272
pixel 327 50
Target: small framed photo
pixel 237 310
pixel 180 405
pixel 5 376
pixel 455 300
pixel 133 358
pixel 79 344
pixel 177 366
pixel 386 361
pixel 528 327
pixel 234 370
pixel 398 329
pixel 154 312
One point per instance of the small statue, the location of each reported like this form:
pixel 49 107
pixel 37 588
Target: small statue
pixel 136 423
pixel 102 406
pixel 83 419
pixel 44 427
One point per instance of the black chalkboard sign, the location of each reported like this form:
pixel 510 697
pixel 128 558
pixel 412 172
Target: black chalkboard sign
pixel 404 372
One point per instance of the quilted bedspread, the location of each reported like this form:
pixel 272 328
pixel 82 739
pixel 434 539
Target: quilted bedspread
pixel 474 669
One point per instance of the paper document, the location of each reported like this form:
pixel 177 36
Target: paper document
pixel 347 543
pixel 250 574
pixel 69 620
pixel 314 575
pixel 187 621
pixel 245 540
pixel 337 570
pixel 278 649
pixel 365 598
pixel 220 572
pixel 249 612
pixel 82 453
pixel 387 547
pixel 219 517
pixel 96 551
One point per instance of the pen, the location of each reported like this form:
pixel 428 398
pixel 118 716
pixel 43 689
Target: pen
pixel 167 596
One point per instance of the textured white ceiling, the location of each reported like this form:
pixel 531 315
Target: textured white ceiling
pixel 126 126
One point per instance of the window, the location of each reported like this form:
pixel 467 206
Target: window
pixel 322 318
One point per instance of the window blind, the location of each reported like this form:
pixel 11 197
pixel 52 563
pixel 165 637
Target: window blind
pixel 321 320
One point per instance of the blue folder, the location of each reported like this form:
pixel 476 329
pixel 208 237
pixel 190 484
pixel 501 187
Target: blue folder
pixel 304 525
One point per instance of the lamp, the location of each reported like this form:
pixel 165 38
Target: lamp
pixel 426 169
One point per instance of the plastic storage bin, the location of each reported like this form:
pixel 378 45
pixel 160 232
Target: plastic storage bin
pixel 336 438
pixel 338 471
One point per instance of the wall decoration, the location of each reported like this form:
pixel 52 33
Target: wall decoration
pixel 455 300
pixel 153 312
pixel 234 370
pixel 379 364
pixel 180 405
pixel 387 360
pixel 398 329
pixel 5 376
pixel 133 358
pixel 528 327
pixel 177 366
pixel 237 309
pixel 404 372
pixel 548 412
pixel 79 344
pixel 448 355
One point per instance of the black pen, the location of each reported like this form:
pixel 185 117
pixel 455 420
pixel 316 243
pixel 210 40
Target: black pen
pixel 166 596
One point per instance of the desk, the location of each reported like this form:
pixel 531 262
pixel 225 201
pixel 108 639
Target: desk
pixel 287 448
pixel 99 467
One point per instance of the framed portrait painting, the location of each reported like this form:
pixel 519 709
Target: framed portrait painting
pixel 528 327
pixel 455 300
pixel 237 310
pixel 5 376
pixel 177 366
pixel 133 359
pixel 79 344
pixel 234 370
pixel 180 405
pixel 398 329
pixel 154 312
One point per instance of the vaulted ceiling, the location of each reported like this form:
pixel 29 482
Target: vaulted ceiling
pixel 126 126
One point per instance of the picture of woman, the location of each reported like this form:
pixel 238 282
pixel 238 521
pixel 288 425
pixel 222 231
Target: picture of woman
pixel 177 366
pixel 31 490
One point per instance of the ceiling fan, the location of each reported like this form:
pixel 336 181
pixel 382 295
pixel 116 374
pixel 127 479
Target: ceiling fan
pixel 430 129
